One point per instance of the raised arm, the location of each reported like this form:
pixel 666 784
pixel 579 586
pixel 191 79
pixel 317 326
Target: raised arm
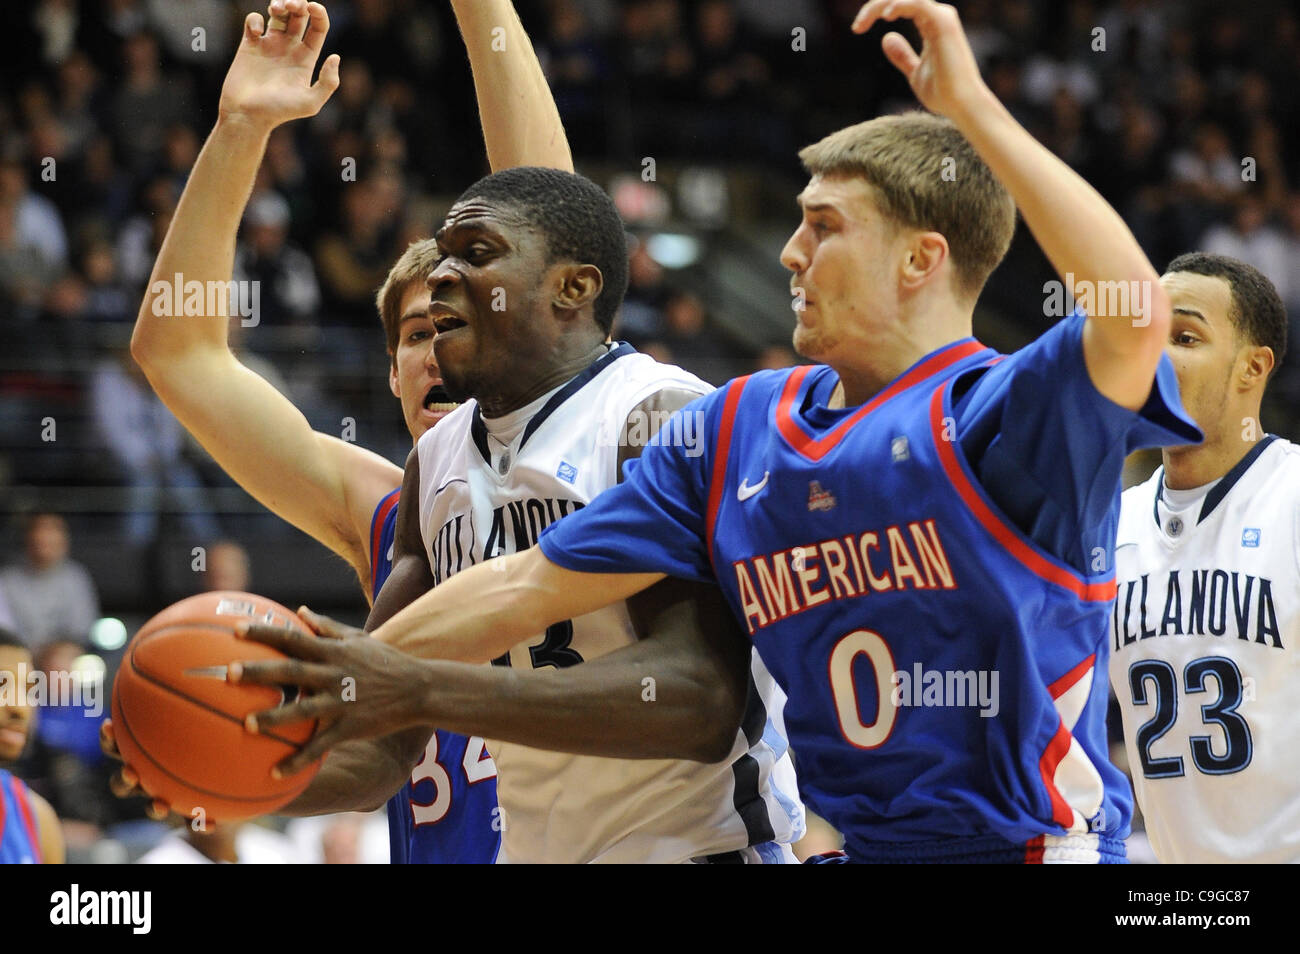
pixel 324 486
pixel 521 125
pixel 1080 233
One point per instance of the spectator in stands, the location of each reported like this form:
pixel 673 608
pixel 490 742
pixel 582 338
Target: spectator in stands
pixel 1249 237
pixel 226 567
pixel 288 291
pixel 49 593
pixel 140 435
pixel 146 104
pixel 36 221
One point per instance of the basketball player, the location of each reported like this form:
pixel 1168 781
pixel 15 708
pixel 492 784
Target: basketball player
pixel 1207 613
pixel 918 534
pixel 29 828
pixel 702 677
pixel 339 493
pixel 556 411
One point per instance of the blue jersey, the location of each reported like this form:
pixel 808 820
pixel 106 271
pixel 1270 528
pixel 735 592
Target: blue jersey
pixel 940 658
pixel 20 843
pixel 446 811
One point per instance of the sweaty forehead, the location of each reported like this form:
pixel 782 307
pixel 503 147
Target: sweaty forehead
pixel 481 213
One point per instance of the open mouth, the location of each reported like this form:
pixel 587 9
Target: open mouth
pixel 444 319
pixel 438 399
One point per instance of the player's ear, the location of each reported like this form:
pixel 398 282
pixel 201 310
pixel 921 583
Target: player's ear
pixel 1256 365
pixel 392 376
pixel 924 255
pixel 577 285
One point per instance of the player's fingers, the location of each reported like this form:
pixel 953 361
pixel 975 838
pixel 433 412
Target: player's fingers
pixel 108 741
pixel 899 52
pixel 124 783
pixel 277 17
pixel 291 641
pixel 315 749
pixel 287 672
pixel 868 15
pixel 313 707
pixel 157 809
pixel 323 625
pixel 254 26
pixel 297 21
pixel 328 81
pixel 318 25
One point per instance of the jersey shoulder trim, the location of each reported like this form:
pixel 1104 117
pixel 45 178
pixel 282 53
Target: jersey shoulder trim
pixel 28 816
pixel 718 477
pixel 1012 539
pixel 385 511
pixel 815 448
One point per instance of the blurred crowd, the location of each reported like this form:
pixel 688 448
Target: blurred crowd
pixel 1183 114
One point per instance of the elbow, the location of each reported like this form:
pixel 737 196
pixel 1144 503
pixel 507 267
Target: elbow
pixel 716 725
pixel 142 348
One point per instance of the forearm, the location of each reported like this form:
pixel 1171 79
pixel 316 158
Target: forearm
pixel 480 613
pixel 200 243
pixel 521 124
pixel 679 691
pixel 1077 229
pixel 360 776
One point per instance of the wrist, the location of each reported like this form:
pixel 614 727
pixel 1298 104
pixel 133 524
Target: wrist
pixel 976 107
pixel 429 701
pixel 242 126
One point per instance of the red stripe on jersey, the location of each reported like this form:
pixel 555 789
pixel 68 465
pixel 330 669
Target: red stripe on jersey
pixel 1000 530
pixel 815 448
pixel 29 821
pixel 723 451
pixel 1034 850
pixel 1052 756
pixel 377 532
pixel 1063 685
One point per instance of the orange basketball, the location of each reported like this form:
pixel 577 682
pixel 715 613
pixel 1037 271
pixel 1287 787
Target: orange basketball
pixel 180 725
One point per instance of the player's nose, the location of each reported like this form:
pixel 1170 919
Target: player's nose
pixel 441 278
pixel 793 255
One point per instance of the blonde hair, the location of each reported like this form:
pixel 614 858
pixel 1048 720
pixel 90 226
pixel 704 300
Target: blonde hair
pixel 925 175
pixel 414 266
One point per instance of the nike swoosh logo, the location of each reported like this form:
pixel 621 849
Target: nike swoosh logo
pixel 744 491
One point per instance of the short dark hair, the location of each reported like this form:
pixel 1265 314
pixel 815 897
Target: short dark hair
pixel 1257 312
pixel 574 215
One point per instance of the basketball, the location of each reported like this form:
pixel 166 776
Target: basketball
pixel 180 725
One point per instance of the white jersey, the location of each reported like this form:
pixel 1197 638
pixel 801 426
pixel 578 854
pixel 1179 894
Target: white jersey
pixel 1206 659
pixel 479 499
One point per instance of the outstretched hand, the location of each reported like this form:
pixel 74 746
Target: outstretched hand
pixel 944 75
pixel 269 81
pixel 355 686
